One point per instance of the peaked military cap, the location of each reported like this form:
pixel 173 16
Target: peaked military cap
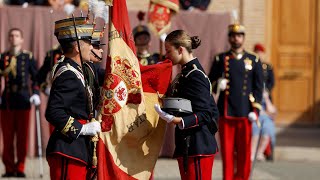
pixel 236 28
pixel 96 38
pixel 65 30
pixel 140 29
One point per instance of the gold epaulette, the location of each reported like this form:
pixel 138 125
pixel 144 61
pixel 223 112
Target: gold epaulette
pixel 28 52
pixel 256 59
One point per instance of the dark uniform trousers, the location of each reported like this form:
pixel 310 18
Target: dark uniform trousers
pixel 194 85
pixel 69 154
pixel 15 107
pixel 242 95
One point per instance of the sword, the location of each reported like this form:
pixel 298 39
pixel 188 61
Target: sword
pixel 39 140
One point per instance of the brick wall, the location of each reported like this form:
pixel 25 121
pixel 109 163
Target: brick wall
pixel 253 13
pixel 255 21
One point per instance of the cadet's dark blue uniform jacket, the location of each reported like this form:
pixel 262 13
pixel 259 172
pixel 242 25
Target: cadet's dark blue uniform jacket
pixel 17 71
pixel 194 85
pixel 245 77
pixel 67 104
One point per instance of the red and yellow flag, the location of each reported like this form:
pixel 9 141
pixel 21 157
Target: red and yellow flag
pixel 132 134
pixel 159 15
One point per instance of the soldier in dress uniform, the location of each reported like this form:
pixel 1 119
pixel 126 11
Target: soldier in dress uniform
pixel 142 38
pixel 268 136
pixel 95 74
pixel 16 67
pixel 69 151
pixel 238 79
pixel 268 75
pixel 194 133
pixel 44 73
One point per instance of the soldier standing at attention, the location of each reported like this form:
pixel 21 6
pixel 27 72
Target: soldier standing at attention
pixel 44 74
pixel 69 150
pixel 142 38
pixel 194 134
pixel 237 75
pixel 17 67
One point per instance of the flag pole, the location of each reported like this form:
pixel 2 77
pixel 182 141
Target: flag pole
pixel 161 49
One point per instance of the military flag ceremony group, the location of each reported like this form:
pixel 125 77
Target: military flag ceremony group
pixel 109 122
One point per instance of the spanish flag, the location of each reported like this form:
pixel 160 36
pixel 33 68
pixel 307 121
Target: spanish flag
pixel 132 133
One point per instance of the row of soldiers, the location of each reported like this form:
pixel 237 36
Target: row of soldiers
pixel 236 75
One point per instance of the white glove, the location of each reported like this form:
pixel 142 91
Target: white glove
pixel 222 84
pixel 90 129
pixel 35 99
pixel 47 91
pixel 252 116
pixel 163 37
pixel 163 115
pixel 25 5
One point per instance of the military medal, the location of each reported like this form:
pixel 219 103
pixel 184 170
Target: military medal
pixel 248 64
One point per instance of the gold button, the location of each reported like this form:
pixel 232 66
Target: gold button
pixel 227 57
pixel 243 94
pixel 227 63
pixel 246 75
pixel 244 87
pixel 227 93
pixel 228 86
pixel 227 74
pixel 227 69
pixel 22 62
pixel 245 81
pixel 23 73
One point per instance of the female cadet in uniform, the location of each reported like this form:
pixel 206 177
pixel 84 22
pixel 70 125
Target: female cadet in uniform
pixel 195 141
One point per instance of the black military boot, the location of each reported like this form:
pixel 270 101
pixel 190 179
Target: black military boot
pixel 8 174
pixel 21 175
